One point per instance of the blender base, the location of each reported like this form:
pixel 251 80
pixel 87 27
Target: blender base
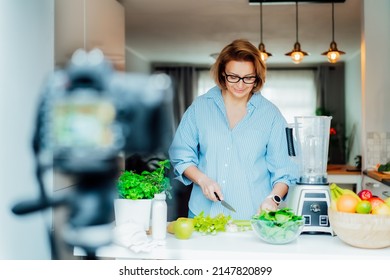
pixel 311 202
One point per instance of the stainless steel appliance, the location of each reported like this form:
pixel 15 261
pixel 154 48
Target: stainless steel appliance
pixel 308 140
pixel 378 188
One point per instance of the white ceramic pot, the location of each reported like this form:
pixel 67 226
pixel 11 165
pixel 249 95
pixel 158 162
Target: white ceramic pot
pixel 133 211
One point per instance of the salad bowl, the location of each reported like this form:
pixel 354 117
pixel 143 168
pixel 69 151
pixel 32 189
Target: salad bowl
pixel 277 227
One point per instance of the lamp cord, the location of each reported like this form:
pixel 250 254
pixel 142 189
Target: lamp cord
pixel 332 21
pixel 296 20
pixel 261 22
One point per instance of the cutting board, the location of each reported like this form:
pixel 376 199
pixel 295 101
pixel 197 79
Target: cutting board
pixel 378 175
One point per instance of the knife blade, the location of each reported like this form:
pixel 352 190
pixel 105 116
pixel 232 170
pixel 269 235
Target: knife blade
pixel 225 204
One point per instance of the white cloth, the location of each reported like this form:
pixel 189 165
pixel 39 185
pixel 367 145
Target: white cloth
pixel 133 236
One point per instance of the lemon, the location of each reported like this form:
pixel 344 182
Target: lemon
pixel 363 207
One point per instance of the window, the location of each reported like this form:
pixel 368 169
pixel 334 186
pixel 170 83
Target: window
pixel 205 81
pixel 292 91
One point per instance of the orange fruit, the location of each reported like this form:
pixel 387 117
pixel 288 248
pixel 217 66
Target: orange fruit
pixel 347 203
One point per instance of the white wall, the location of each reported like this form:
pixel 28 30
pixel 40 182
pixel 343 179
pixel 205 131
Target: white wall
pixel 27 56
pixel 376 81
pixel 353 105
pixel 377 67
pixel 136 62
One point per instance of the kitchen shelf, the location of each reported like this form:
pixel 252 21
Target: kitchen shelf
pixel 383 178
pixel 345 174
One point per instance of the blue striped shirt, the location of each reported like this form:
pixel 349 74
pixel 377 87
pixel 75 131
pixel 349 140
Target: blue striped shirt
pixel 246 161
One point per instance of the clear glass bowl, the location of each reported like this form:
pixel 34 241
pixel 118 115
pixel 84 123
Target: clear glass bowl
pixel 277 233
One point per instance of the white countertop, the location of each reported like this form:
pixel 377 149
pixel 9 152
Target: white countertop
pixel 246 245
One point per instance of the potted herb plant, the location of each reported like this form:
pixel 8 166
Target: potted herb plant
pixel 132 185
pixel 136 191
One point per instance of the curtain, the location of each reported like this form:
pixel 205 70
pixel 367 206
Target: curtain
pixel 322 75
pixel 330 82
pixel 185 81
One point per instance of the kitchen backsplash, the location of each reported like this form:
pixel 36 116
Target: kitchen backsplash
pixel 378 148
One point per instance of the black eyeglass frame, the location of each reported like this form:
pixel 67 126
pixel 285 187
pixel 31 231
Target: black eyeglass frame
pixel 241 78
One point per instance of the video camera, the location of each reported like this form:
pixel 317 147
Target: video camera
pixel 89 114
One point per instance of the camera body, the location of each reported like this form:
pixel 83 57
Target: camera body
pixel 89 113
pixel 87 116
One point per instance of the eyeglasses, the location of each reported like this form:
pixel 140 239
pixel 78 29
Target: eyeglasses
pixel 235 79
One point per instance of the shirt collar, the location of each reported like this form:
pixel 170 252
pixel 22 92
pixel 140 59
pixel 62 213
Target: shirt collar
pixel 216 94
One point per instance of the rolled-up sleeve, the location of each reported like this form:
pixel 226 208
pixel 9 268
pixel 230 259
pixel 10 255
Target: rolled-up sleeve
pixel 281 167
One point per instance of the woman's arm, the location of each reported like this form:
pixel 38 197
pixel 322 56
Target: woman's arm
pixel 208 186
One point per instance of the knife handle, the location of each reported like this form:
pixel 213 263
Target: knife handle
pixel 217 196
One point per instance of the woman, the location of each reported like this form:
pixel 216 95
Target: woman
pixel 232 142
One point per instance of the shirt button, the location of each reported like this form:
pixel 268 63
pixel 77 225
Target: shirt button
pixel 226 164
pixel 223 182
pixel 228 148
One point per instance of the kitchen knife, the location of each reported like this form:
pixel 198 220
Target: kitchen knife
pixel 225 204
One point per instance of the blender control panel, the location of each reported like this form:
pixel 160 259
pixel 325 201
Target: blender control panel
pixel 315 209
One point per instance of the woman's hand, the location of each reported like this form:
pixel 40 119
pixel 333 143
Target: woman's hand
pixel 209 187
pixel 268 205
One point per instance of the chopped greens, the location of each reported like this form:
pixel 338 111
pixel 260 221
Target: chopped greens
pixel 279 216
pixel 208 225
pixel 277 227
pixel 238 225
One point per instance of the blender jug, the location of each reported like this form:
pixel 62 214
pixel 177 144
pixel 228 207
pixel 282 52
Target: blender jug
pixel 312 139
pixel 310 197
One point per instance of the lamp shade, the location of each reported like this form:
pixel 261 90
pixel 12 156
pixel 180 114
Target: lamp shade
pixel 263 53
pixel 297 54
pixel 333 53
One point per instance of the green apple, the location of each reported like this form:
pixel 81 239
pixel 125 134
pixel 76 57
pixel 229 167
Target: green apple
pixel 363 207
pixel 183 228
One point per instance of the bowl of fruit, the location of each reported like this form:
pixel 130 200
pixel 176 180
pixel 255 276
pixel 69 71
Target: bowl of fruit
pixel 277 227
pixel 360 220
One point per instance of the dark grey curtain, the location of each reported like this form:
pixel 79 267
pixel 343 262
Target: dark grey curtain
pixel 185 82
pixel 331 102
pixel 322 75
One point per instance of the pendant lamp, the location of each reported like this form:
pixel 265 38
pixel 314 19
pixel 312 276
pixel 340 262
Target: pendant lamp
pixel 297 54
pixel 263 53
pixel 333 53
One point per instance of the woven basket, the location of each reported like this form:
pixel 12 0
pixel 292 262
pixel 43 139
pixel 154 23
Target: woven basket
pixel 361 230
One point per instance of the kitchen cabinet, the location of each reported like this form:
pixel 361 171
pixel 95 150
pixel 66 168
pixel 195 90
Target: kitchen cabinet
pixel 379 187
pixel 344 174
pixel 246 246
pixel 89 24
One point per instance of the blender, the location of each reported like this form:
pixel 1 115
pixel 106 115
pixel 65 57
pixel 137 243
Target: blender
pixel 308 141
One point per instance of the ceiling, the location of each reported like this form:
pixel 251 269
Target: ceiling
pixel 188 31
